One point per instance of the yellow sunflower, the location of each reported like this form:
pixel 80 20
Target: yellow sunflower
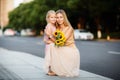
pixel 56 33
pixel 60 38
pixel 57 42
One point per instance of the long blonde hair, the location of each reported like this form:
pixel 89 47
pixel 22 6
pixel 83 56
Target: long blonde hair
pixel 66 21
pixel 48 15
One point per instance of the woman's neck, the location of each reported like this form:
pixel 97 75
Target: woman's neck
pixel 61 27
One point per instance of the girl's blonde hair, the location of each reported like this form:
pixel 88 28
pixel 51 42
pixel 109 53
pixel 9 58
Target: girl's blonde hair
pixel 66 21
pixel 48 15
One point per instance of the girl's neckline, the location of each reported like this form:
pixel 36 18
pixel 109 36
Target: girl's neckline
pixel 51 24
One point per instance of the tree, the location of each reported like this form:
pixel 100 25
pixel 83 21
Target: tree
pixel 29 15
pixel 90 12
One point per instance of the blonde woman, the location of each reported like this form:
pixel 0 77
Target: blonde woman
pixel 65 60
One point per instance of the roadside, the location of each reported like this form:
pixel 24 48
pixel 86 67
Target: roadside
pixel 23 66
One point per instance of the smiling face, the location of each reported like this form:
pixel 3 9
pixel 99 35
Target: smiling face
pixel 52 18
pixel 59 18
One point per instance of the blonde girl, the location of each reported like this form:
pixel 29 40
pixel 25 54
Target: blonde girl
pixel 49 39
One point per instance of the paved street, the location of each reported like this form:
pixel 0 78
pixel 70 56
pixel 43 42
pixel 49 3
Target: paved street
pixel 100 57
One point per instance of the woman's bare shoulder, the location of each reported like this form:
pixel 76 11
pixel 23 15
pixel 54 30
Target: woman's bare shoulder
pixel 69 28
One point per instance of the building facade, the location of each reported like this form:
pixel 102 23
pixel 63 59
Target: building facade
pixel 5 7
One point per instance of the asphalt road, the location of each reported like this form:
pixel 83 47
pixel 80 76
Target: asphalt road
pixel 100 57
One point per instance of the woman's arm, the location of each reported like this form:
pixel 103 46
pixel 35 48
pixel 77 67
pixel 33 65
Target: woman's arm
pixel 69 33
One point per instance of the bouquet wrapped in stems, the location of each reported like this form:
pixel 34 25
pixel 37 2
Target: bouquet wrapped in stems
pixel 59 38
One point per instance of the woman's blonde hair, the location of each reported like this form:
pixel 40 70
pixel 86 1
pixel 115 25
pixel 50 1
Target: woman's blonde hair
pixel 48 15
pixel 66 21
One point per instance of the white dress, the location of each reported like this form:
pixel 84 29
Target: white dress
pixel 49 29
pixel 65 60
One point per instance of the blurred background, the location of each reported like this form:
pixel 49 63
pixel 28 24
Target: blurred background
pixel 27 17
pixel 96 23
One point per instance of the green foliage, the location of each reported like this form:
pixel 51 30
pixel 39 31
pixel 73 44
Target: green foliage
pixel 29 15
pixel 32 14
pixel 113 35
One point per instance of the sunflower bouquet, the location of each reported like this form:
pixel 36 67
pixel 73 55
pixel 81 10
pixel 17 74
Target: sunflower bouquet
pixel 60 38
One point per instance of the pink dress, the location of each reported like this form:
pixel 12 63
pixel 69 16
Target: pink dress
pixel 49 29
pixel 65 60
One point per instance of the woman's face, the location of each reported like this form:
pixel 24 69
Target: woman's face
pixel 59 18
pixel 52 18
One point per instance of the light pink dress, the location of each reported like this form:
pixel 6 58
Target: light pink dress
pixel 49 30
pixel 65 61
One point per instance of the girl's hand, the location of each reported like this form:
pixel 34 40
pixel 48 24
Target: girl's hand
pixel 52 38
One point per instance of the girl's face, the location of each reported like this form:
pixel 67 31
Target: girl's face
pixel 52 18
pixel 60 18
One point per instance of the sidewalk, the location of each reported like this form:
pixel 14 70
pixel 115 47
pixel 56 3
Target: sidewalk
pixel 23 66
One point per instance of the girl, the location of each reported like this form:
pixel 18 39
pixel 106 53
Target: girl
pixel 48 39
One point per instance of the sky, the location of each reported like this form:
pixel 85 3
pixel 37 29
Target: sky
pixel 17 2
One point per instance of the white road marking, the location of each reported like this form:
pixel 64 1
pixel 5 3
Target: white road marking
pixel 40 43
pixel 13 39
pixel 113 52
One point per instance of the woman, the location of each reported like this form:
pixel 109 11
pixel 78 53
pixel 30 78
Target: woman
pixel 65 60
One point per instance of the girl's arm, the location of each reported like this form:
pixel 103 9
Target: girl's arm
pixel 46 40
pixel 50 36
pixel 48 33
